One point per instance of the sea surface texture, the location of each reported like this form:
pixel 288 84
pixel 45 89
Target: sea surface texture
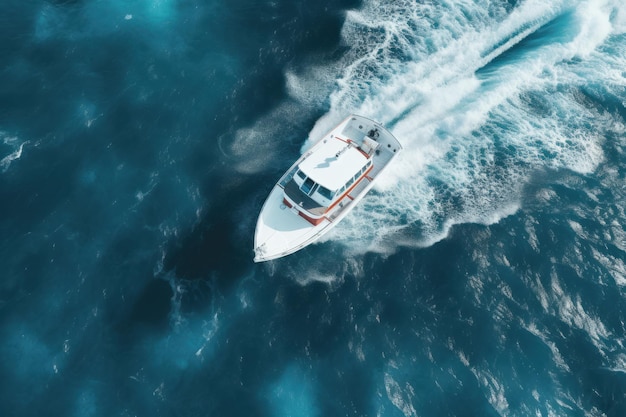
pixel 484 275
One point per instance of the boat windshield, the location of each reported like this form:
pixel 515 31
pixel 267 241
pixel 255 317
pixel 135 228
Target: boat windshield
pixel 326 193
pixel 307 185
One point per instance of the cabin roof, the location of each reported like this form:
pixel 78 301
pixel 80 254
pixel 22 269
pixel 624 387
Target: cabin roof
pixel 333 163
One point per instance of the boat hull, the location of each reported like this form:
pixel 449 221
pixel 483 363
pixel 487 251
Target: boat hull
pixel 282 230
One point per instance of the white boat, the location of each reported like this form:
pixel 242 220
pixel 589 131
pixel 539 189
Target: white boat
pixel 322 186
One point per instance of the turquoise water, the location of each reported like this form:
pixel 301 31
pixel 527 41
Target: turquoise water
pixel 484 275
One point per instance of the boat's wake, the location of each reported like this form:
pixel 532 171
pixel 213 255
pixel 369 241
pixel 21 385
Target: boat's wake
pixel 483 96
pixel 482 99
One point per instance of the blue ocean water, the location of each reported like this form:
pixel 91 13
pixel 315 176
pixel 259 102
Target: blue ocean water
pixel 485 275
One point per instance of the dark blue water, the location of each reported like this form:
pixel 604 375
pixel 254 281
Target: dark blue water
pixel 484 276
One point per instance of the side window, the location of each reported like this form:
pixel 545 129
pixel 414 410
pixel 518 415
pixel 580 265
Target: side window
pixel 299 177
pixel 325 192
pixel 356 176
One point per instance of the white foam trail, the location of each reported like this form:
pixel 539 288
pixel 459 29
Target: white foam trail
pixel 308 270
pixel 465 39
pixel 5 162
pixel 400 397
pixel 595 21
pixel 470 143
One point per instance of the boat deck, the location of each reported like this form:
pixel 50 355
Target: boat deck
pixel 280 232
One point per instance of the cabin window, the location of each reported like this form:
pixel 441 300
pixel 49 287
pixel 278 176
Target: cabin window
pixel 301 175
pixel 349 183
pixel 307 185
pixel 313 189
pixel 325 192
pixel 357 175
